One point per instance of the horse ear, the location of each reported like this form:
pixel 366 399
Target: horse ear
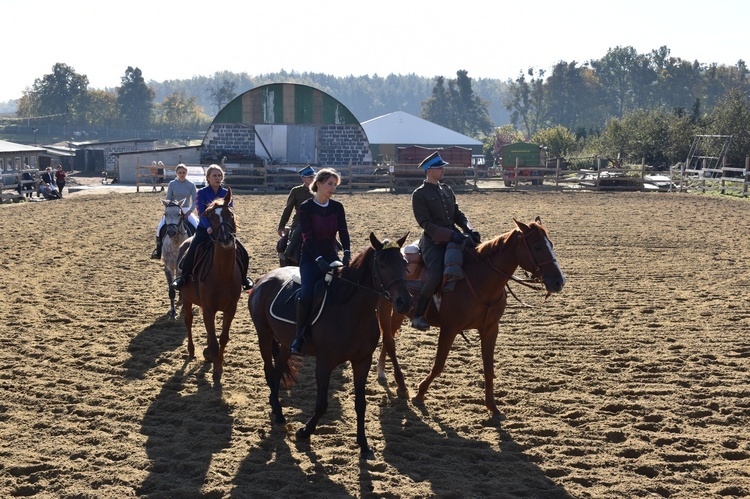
pixel 521 226
pixel 538 220
pixel 165 202
pixel 402 240
pixel 228 197
pixel 375 243
pixel 181 202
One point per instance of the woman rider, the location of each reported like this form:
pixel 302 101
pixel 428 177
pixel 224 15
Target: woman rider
pixel 179 188
pixel 320 219
pixel 203 198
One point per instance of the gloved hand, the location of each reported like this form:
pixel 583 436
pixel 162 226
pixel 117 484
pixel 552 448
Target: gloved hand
pixel 322 264
pixel 475 237
pixel 458 238
pixel 347 258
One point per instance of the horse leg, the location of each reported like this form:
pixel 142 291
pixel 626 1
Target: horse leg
pixel 488 339
pixel 390 326
pixel 445 341
pixel 187 308
pixel 323 379
pixel 360 369
pixel 274 372
pixel 211 352
pixel 172 311
pixel 223 340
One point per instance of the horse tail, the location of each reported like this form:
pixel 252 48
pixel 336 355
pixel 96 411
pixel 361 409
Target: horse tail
pixel 291 370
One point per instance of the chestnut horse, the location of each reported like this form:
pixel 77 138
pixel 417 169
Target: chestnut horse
pixel 217 285
pixel 477 302
pixel 346 329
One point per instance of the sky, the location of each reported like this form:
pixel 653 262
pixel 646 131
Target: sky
pixel 180 39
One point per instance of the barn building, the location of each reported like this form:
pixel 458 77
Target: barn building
pixel 286 123
pixel 399 129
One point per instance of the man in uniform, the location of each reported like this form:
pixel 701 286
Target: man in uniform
pixel 437 213
pixel 298 195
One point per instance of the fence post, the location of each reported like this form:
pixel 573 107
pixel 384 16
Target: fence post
pixel 747 175
pixel 137 174
pixel 643 173
pixel 515 173
pixel 723 172
pixel 557 174
pixel 598 172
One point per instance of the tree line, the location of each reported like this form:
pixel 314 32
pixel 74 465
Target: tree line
pixel 624 104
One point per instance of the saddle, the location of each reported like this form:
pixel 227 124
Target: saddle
pixel 284 304
pixel 417 273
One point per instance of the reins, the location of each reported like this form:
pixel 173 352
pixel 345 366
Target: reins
pixel 383 289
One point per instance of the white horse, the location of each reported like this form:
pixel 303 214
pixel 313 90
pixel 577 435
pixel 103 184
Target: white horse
pixel 176 233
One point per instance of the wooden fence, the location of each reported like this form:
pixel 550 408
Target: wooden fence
pixel 264 178
pixel 724 180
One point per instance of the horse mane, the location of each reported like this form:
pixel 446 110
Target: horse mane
pixel 493 246
pixel 360 265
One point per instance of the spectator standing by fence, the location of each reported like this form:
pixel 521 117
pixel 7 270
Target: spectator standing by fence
pixel 60 176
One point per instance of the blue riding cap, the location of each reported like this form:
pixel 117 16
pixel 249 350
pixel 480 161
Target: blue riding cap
pixel 307 171
pixel 432 161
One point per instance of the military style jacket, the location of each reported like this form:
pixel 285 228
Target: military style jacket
pixel 436 210
pixel 298 195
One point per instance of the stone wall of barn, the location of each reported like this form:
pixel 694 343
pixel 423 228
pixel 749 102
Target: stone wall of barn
pixel 337 145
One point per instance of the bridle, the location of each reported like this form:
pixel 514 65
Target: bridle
pixel 180 225
pixel 529 283
pixel 225 228
pixel 383 291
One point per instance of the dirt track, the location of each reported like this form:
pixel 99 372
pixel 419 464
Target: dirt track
pixel 633 382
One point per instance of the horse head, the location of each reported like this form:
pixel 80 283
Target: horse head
pixel 389 272
pixel 539 258
pixel 173 216
pixel 223 223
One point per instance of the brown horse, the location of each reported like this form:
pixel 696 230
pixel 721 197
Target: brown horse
pixel 478 301
pixel 218 283
pixel 345 330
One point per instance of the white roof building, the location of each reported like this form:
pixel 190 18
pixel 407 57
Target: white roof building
pixel 399 129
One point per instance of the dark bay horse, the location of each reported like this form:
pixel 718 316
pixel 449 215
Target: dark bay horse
pixel 346 330
pixel 175 234
pixel 218 283
pixel 478 301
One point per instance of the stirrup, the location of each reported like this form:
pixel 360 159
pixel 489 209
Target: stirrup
pixel 156 254
pixel 247 283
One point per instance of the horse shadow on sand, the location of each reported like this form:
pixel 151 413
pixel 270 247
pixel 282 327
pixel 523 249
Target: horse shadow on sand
pixel 146 348
pixel 184 433
pixel 271 468
pixel 421 446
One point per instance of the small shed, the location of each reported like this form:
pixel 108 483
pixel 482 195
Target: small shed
pixel 129 161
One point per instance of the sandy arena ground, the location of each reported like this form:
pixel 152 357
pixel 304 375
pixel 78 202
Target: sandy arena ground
pixel 634 382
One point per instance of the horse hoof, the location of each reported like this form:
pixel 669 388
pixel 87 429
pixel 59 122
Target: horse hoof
pixel 367 454
pixel 498 417
pixel 302 434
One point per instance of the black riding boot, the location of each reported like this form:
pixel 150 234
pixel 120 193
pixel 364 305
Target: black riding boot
pixel 418 321
pixel 303 311
pixel 157 252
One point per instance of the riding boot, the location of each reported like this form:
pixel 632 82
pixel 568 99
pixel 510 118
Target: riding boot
pixel 186 268
pixel 157 252
pixel 303 311
pixel 418 321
